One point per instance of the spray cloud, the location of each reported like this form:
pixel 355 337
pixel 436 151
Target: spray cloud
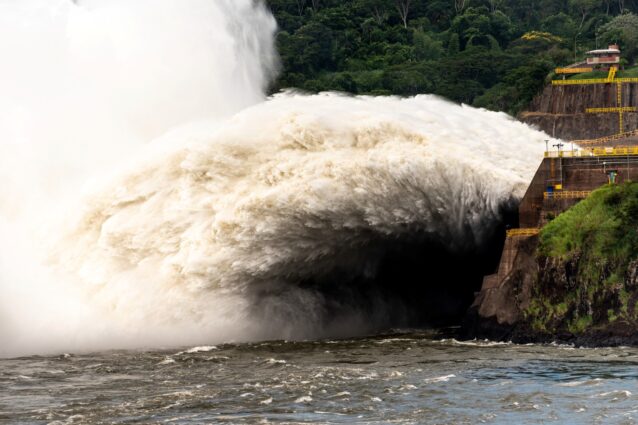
pixel 204 234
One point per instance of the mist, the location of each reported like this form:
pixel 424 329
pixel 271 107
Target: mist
pixel 155 197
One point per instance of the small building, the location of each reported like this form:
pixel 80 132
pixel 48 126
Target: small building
pixel 602 57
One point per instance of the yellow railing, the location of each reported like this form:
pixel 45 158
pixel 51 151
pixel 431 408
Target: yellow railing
pixel 621 124
pixel 579 194
pixel 523 232
pixel 606 139
pixel 609 110
pixel 620 151
pixel 593 81
pixel 619 94
pixel 572 70
pixel 612 73
pixel 577 82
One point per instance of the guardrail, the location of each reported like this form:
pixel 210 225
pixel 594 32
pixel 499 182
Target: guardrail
pixel 593 81
pixel 523 232
pixel 610 110
pixel 577 194
pixel 594 152
pixel 572 70
pixel 605 139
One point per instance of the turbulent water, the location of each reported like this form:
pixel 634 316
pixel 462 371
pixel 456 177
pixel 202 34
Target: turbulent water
pixel 154 196
pixel 401 379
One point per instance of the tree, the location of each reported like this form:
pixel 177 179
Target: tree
pixel 454 44
pixel 476 24
pixel 425 47
pixel 301 5
pixel 459 5
pixel 561 25
pixel 378 9
pixel 403 7
pixel 621 6
pixel 583 7
pixel 622 29
pixel 607 6
pixel 495 4
pixel 497 52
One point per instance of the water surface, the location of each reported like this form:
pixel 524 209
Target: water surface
pixel 400 378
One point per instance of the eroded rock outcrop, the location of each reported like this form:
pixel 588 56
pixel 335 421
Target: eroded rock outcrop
pixel 576 282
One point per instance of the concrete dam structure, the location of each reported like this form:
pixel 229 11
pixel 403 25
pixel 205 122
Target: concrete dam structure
pixel 599 118
pixel 561 181
pixel 582 109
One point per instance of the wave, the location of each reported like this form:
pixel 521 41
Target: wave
pixel 220 234
pixel 271 223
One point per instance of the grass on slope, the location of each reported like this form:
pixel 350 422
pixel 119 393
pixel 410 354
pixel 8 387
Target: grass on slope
pixel 602 228
pixel 626 73
pixel 593 242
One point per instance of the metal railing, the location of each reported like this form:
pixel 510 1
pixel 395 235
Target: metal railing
pixel 577 194
pixel 593 81
pixel 610 110
pixel 572 70
pixel 605 139
pixel 523 232
pixel 583 153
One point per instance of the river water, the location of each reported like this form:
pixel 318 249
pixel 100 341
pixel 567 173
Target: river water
pixel 401 378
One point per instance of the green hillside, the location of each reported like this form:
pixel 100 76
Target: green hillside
pixel 588 257
pixel 488 53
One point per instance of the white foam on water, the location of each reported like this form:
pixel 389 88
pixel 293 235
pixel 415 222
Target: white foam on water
pixel 115 238
pixel 202 349
pixel 435 379
pixel 304 399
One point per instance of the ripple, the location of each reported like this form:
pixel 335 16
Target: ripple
pixel 444 378
pixel 201 349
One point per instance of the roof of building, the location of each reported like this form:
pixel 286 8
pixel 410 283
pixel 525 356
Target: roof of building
pixel 599 51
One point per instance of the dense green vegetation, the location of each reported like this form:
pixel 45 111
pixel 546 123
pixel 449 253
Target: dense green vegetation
pixel 489 53
pixel 597 228
pixel 588 256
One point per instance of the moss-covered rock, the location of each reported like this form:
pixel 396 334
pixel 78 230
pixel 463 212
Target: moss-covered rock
pixel 587 269
pixel 583 271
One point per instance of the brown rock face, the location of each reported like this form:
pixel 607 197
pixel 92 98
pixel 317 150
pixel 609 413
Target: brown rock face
pixel 499 311
pixel 560 110
pixel 543 300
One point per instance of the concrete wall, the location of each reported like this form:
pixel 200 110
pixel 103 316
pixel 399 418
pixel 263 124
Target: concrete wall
pixel 510 250
pixel 560 110
pixel 575 174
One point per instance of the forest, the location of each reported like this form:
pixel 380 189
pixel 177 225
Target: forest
pixel 496 54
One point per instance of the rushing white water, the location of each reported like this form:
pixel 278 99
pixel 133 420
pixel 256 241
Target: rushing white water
pixel 202 235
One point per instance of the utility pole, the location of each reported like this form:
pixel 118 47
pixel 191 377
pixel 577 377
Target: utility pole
pixel 558 146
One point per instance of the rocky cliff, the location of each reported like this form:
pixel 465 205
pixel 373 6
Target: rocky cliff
pixel 560 110
pixel 577 282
